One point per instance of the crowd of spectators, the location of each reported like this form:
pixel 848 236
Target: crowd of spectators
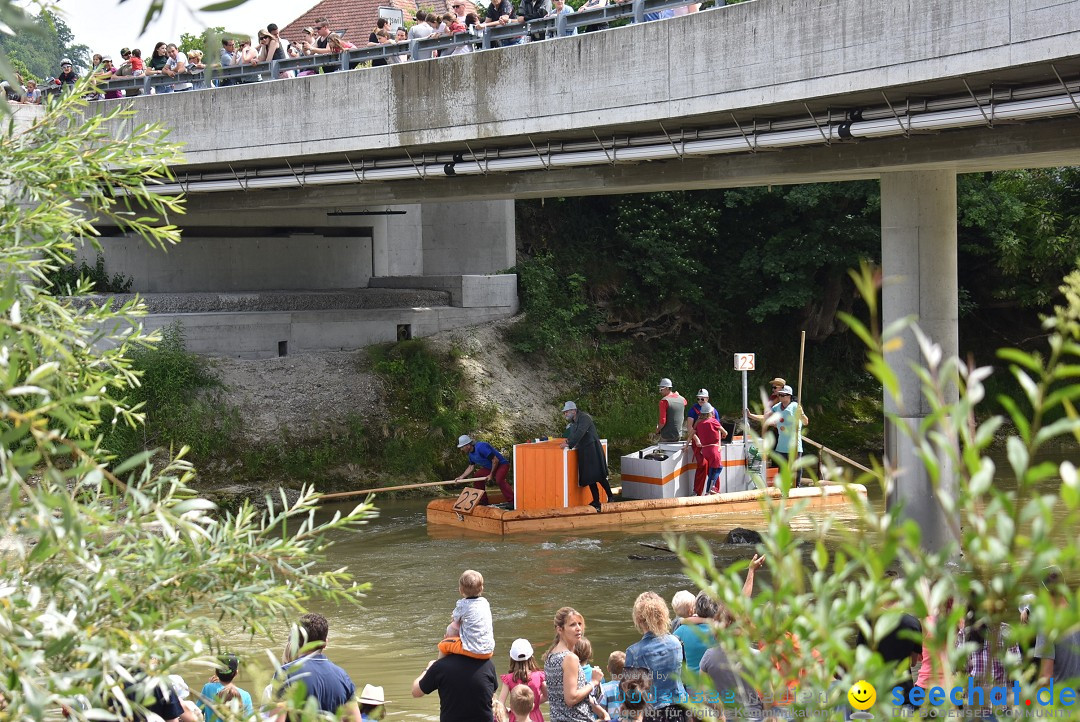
pixel 167 59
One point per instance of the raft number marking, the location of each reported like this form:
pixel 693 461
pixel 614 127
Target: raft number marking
pixel 744 362
pixel 468 499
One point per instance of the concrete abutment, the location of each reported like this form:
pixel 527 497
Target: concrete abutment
pixel 256 283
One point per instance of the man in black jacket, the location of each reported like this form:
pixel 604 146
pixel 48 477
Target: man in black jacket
pixel 534 10
pixel 591 460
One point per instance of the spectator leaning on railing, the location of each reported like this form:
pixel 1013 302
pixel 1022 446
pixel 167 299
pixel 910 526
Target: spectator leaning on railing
pixel 33 93
pixel 228 58
pixel 105 74
pixel 560 7
pixel 374 39
pixel 420 30
pixel 534 10
pixel 196 66
pixel 499 12
pixel 400 37
pixel 175 66
pixel 322 43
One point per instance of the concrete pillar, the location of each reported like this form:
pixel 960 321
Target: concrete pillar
pixel 918 255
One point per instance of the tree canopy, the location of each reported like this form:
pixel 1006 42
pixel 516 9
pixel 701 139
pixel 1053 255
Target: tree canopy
pixel 35 48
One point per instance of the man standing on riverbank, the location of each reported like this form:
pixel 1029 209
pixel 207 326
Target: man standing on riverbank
pixel 591 460
pixel 328 683
pixel 672 406
pixel 492 465
pixel 466 686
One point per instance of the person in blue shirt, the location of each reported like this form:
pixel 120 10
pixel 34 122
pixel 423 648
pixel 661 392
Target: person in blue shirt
pixel 789 419
pixel 220 693
pixel 490 465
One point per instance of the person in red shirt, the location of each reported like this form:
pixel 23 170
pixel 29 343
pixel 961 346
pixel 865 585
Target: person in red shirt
pixel 691 419
pixel 672 406
pixel 707 435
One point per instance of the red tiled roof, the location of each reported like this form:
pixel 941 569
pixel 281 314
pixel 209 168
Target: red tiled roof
pixel 357 17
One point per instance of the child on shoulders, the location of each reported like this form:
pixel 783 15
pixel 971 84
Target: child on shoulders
pixel 470 632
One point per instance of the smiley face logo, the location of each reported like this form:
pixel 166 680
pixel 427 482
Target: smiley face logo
pixel 862 695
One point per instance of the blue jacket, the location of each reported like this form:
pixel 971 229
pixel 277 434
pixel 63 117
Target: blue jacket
pixel 663 657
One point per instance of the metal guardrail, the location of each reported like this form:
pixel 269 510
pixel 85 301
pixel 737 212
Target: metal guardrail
pixel 417 49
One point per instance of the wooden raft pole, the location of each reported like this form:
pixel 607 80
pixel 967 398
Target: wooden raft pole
pixel 838 455
pixel 358 492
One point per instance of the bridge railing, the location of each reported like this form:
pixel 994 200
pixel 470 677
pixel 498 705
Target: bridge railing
pixel 416 49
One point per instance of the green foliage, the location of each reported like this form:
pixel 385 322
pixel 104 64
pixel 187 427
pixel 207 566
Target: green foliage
pixel 429 409
pixel 175 396
pixel 71 276
pixel 39 44
pixel 554 301
pixel 112 568
pixel 209 38
pixel 1021 230
pixel 1000 537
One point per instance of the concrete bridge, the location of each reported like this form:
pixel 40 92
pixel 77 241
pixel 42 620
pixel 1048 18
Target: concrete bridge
pixel 764 92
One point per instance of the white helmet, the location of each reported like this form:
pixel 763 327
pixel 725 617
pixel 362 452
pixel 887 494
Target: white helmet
pixel 665 383
pixel 66 61
pixel 569 406
pixel 706 409
pixel 464 440
pixel 703 392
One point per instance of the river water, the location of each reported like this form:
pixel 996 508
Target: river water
pixel 414 573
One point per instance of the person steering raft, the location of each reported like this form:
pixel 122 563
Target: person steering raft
pixel 486 457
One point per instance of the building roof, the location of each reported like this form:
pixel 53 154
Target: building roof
pixel 357 17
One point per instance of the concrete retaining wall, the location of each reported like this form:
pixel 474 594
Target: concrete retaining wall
pixel 240 264
pixel 467 291
pixel 260 334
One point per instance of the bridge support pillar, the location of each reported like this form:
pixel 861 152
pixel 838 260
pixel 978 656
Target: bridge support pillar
pixel 918 254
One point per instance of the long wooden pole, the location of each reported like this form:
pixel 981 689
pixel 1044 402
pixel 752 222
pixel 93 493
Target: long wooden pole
pixel 802 357
pixel 838 455
pixel 358 492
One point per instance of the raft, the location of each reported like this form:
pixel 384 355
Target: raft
pixel 496 521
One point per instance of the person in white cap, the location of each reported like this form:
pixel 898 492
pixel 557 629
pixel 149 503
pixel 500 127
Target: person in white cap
pixel 706 439
pixel 789 420
pixel 372 701
pixel 524 671
pixel 591 460
pixel 672 406
pixel 691 420
pixel 491 465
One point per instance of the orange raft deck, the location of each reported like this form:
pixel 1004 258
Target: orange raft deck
pixel 499 522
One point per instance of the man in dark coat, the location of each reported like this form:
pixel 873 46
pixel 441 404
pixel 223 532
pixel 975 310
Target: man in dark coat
pixel 591 461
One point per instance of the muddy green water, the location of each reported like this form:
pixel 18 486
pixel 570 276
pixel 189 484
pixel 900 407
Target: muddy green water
pixel 414 574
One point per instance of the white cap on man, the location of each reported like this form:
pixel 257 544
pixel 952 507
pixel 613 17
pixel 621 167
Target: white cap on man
pixel 703 393
pixel 464 440
pixel 665 383
pixel 785 391
pixel 569 406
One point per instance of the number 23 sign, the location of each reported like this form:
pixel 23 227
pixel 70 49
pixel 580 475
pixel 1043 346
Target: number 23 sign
pixel 744 362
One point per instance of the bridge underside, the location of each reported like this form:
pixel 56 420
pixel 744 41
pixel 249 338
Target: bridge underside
pixel 1045 143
